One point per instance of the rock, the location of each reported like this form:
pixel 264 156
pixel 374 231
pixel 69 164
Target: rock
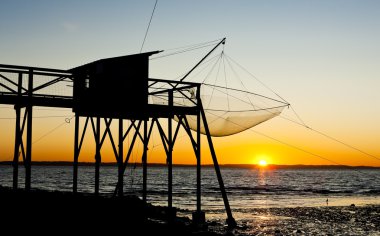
pixel 229 234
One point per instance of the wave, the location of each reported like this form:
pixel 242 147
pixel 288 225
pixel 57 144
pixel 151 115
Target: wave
pixel 289 190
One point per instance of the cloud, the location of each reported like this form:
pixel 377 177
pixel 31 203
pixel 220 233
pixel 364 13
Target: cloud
pixel 70 27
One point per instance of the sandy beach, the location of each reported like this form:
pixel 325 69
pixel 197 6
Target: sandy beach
pixel 336 220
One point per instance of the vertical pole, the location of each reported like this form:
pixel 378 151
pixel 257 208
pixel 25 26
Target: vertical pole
pixel 76 154
pixel 170 153
pixel 198 154
pixel 144 160
pixel 17 147
pixel 120 160
pixel 28 159
pixel 17 134
pixel 230 220
pixel 97 155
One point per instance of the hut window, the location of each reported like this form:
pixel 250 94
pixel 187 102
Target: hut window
pixel 87 83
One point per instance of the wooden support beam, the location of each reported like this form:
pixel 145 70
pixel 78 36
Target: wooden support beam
pixel 145 159
pixel 119 158
pixel 230 220
pixel 16 148
pixel 198 156
pixel 18 137
pixel 76 154
pixel 28 159
pixel 97 155
pixel 170 156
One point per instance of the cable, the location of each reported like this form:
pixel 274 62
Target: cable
pixel 67 121
pixel 39 109
pixel 345 144
pixel 291 145
pixel 150 21
pixel 225 80
pixel 34 117
pixel 262 83
pixel 213 42
pixel 182 51
pixel 301 122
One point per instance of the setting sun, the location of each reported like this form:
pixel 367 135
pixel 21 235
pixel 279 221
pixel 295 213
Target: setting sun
pixel 263 163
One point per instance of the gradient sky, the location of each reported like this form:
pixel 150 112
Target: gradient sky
pixel 323 57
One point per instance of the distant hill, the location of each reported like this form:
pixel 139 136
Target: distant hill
pixel 272 166
pixel 248 166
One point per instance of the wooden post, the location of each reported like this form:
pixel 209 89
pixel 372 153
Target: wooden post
pixel 198 154
pixel 120 161
pixel 170 154
pixel 76 154
pixel 97 155
pixel 230 220
pixel 18 138
pixel 144 160
pixel 28 158
pixel 17 147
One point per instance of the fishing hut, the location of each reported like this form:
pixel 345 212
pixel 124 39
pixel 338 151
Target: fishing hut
pixel 113 90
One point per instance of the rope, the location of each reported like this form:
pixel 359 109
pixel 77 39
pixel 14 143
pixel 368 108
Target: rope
pixel 67 121
pixel 246 92
pixel 216 78
pixel 182 51
pixel 150 21
pixel 206 64
pixel 194 45
pixel 212 69
pixel 262 83
pixel 225 80
pixel 292 146
pixel 34 117
pixel 301 122
pixel 241 82
pixel 345 144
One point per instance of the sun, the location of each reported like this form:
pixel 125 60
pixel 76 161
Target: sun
pixel 263 163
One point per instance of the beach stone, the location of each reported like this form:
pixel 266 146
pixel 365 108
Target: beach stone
pixel 229 234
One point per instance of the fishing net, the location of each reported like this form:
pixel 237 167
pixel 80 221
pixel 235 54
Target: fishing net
pixel 230 112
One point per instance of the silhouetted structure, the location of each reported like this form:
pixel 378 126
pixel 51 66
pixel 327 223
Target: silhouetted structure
pixel 107 90
pixel 113 87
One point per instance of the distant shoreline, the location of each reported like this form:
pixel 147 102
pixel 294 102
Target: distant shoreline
pixel 243 166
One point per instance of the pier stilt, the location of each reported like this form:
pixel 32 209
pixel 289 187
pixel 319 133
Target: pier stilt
pixel 230 220
pixel 97 155
pixel 76 154
pixel 144 159
pixel 28 158
pixel 120 173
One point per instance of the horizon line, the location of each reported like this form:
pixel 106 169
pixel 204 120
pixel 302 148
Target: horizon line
pixel 241 165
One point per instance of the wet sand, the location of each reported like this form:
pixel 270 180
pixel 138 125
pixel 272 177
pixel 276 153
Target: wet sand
pixel 336 220
pixel 64 213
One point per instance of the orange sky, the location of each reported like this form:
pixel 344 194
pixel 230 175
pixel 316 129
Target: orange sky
pixel 248 147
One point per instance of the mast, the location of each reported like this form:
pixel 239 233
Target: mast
pixel 223 41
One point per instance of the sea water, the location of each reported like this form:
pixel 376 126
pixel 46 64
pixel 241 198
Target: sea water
pixel 246 188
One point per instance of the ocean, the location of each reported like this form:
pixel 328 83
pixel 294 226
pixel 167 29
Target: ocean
pixel 247 189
